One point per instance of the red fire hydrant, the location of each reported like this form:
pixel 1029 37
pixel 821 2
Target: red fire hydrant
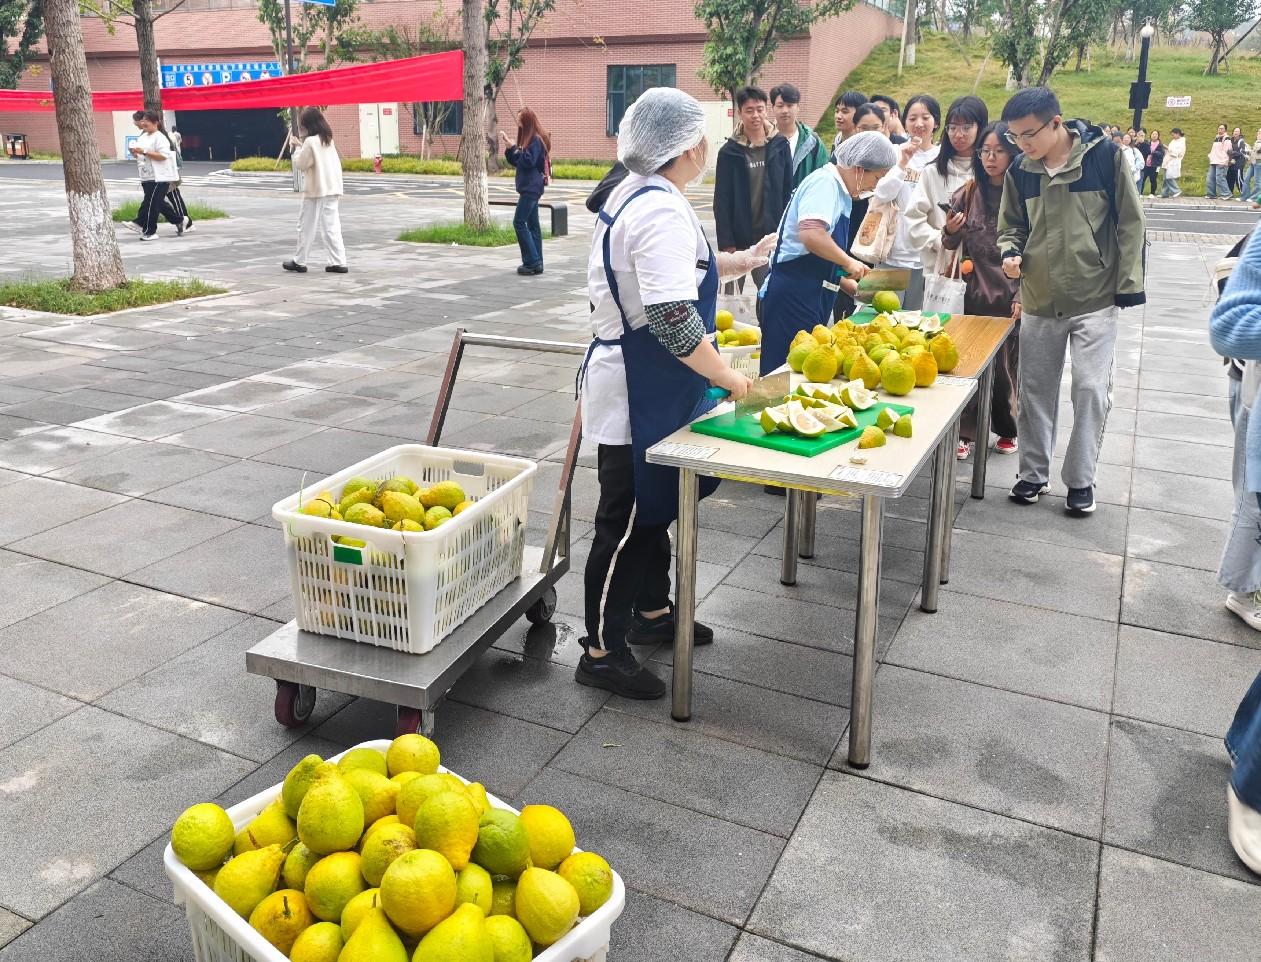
pixel 376 164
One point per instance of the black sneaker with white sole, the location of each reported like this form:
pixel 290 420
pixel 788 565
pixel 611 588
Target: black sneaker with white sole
pixel 1027 492
pixel 620 673
pixel 1080 500
pixel 660 630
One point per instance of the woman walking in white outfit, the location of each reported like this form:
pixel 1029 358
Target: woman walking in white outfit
pixel 316 156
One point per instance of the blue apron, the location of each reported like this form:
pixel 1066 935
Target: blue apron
pixel 799 294
pixel 664 394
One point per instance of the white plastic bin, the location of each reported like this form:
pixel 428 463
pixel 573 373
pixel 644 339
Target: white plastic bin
pixel 741 358
pixel 408 590
pixel 220 935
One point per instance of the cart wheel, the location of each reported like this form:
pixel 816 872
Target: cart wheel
pixel 540 613
pixel 408 721
pixel 294 703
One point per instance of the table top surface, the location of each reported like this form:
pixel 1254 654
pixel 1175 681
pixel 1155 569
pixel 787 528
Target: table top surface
pixel 885 471
pixel 977 338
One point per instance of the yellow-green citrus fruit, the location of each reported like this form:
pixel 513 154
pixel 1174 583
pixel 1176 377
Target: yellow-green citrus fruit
pixel 412 795
pixel 473 884
pixel 376 792
pixel 820 365
pixel 322 942
pixel 281 918
pixel 365 514
pixel 508 939
pixel 401 507
pixel 366 758
pixel 896 374
pixel 866 370
pixel 271 826
pixel 591 877
pixel 872 437
pixel 723 320
pixel 461 937
pixel 886 419
pixel 418 891
pixel 550 834
pixel 886 301
pixel 332 882
pixel 502 848
pixel 547 905
pixel 357 908
pixel 249 878
pixel 903 426
pixel 448 824
pixel 202 837
pixel 330 818
pixel 297 864
pixel 797 355
pixel 925 366
pixel 383 847
pixel 503 899
pixel 436 516
pixel 444 494
pixel 297 782
pixel 944 351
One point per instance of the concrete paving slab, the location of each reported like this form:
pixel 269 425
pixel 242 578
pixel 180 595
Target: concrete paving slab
pixel 878 873
pixel 527 688
pixel 243 490
pixel 33 585
pixel 651 928
pixel 57 447
pixel 154 420
pixel 1183 494
pixel 141 467
pixel 243 435
pixel 25 709
pixel 1185 601
pixel 1183 457
pixel 74 780
pixel 1177 539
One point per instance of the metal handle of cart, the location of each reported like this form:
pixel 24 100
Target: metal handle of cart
pixel 302 661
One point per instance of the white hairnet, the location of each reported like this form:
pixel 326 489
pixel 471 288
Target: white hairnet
pixel 869 149
pixel 659 126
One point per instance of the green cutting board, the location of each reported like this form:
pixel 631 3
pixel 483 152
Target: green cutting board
pixel 747 430
pixel 866 314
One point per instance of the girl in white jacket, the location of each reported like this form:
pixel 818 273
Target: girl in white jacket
pixel 922 118
pixel 316 156
pixel 951 169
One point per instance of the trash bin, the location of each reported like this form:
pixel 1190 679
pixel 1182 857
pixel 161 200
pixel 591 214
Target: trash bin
pixel 15 146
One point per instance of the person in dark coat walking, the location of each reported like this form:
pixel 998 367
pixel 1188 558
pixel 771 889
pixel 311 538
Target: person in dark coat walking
pixel 753 180
pixel 530 156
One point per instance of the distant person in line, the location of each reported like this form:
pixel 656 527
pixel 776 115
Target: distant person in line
pixel 530 155
pixel 1235 332
pixel 1252 180
pixel 1071 228
pixel 1217 185
pixel 175 194
pixel 315 155
pixel 973 231
pixel 753 179
pixel 843 114
pixel 1133 158
pixel 804 146
pixel 155 157
pixel 1152 161
pixel 893 124
pixel 1174 152
pixel 1240 157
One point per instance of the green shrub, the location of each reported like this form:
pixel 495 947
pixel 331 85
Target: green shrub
pixel 57 297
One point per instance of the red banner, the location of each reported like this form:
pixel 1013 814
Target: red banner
pixel 435 77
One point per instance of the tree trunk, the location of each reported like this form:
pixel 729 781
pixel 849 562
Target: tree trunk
pixel 473 136
pixel 150 76
pixel 98 265
pixel 492 128
pixel 1216 57
pixel 1081 53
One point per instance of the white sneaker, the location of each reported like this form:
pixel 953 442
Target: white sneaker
pixel 189 227
pixel 963 451
pixel 1247 607
pixel 1245 831
pixel 149 237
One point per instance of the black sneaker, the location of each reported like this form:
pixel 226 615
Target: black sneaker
pixel 1028 492
pixel 1080 500
pixel 656 631
pixel 294 266
pixel 620 673
pixel 337 269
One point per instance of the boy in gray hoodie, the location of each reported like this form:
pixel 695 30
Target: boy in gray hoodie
pixel 1071 227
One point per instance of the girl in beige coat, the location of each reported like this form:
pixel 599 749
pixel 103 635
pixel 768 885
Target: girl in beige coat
pixel 316 157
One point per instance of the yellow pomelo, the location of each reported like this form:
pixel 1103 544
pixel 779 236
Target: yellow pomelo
pixel 448 823
pixel 591 877
pixel 504 897
pixel 925 367
pixel 944 351
pixel 281 917
pixel 872 437
pixel 547 905
pixel 332 882
pixel 412 753
pixel 383 847
pixel 550 834
pixel 322 942
pixel 357 908
pixel 896 374
pixel 820 364
pixel 797 355
pixel 509 940
pixel 461 937
pixel 418 891
pixel 202 837
pixel 886 301
pixel 903 426
pixel 723 320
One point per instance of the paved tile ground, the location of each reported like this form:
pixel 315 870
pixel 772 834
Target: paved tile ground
pixel 1048 778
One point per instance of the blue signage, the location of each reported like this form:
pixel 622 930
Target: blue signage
pixel 218 72
pixel 321 3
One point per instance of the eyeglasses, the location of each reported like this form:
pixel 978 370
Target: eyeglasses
pixel 1017 139
pixel 993 154
pixel 960 128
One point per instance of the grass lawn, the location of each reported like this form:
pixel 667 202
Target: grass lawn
pixel 561 169
pixel 454 232
pixel 131 210
pixel 56 296
pixel 1100 95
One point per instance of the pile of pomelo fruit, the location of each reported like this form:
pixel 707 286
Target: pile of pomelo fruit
pixel 380 857
pixel 398 503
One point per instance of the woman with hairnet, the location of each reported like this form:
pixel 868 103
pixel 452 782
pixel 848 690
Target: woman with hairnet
pixel 653 281
pixel 810 264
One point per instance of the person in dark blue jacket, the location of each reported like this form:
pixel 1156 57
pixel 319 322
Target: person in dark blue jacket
pixel 529 155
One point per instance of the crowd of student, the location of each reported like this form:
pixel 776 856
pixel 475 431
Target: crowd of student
pixel 948 196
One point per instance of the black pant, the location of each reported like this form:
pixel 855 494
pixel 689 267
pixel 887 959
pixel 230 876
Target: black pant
pixel 1232 178
pixel 628 568
pixel 1149 173
pixel 177 202
pixel 153 205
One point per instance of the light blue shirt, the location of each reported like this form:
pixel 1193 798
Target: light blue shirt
pixel 821 196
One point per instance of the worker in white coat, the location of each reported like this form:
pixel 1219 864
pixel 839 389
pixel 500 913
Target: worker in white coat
pixel 315 155
pixel 652 281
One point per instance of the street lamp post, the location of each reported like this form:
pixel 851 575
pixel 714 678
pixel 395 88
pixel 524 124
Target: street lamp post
pixel 1141 90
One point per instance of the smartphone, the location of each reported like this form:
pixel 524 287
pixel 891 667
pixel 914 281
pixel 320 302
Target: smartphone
pixel 950 211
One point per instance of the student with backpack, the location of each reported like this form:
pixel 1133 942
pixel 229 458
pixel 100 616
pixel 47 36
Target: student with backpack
pixel 1071 228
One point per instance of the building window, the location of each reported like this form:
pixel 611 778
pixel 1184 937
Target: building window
pixel 445 115
pixel 625 86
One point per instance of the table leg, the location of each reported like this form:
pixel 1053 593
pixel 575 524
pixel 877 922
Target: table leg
pixel 865 621
pixel 949 526
pixel 981 457
pixel 938 519
pixel 788 564
pixel 684 595
pixel 806 506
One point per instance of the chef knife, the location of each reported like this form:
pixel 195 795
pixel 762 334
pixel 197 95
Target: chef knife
pixel 763 392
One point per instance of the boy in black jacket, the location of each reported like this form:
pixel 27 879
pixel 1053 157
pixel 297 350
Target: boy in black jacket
pixel 754 178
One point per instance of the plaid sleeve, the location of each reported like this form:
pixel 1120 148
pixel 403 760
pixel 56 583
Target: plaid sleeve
pixel 677 325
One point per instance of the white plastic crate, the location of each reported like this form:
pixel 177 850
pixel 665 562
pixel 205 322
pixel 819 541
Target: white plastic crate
pixel 220 935
pixel 409 590
pixel 741 358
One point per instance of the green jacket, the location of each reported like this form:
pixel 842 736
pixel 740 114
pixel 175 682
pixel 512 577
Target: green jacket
pixel 1081 234
pixel 810 154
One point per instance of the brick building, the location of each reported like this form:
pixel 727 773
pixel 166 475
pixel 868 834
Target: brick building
pixel 584 64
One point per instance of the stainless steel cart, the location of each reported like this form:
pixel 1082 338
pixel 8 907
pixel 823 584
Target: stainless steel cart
pixel 302 662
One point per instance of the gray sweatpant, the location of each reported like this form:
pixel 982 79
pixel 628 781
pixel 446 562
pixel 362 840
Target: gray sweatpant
pixel 1240 568
pixel 1090 342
